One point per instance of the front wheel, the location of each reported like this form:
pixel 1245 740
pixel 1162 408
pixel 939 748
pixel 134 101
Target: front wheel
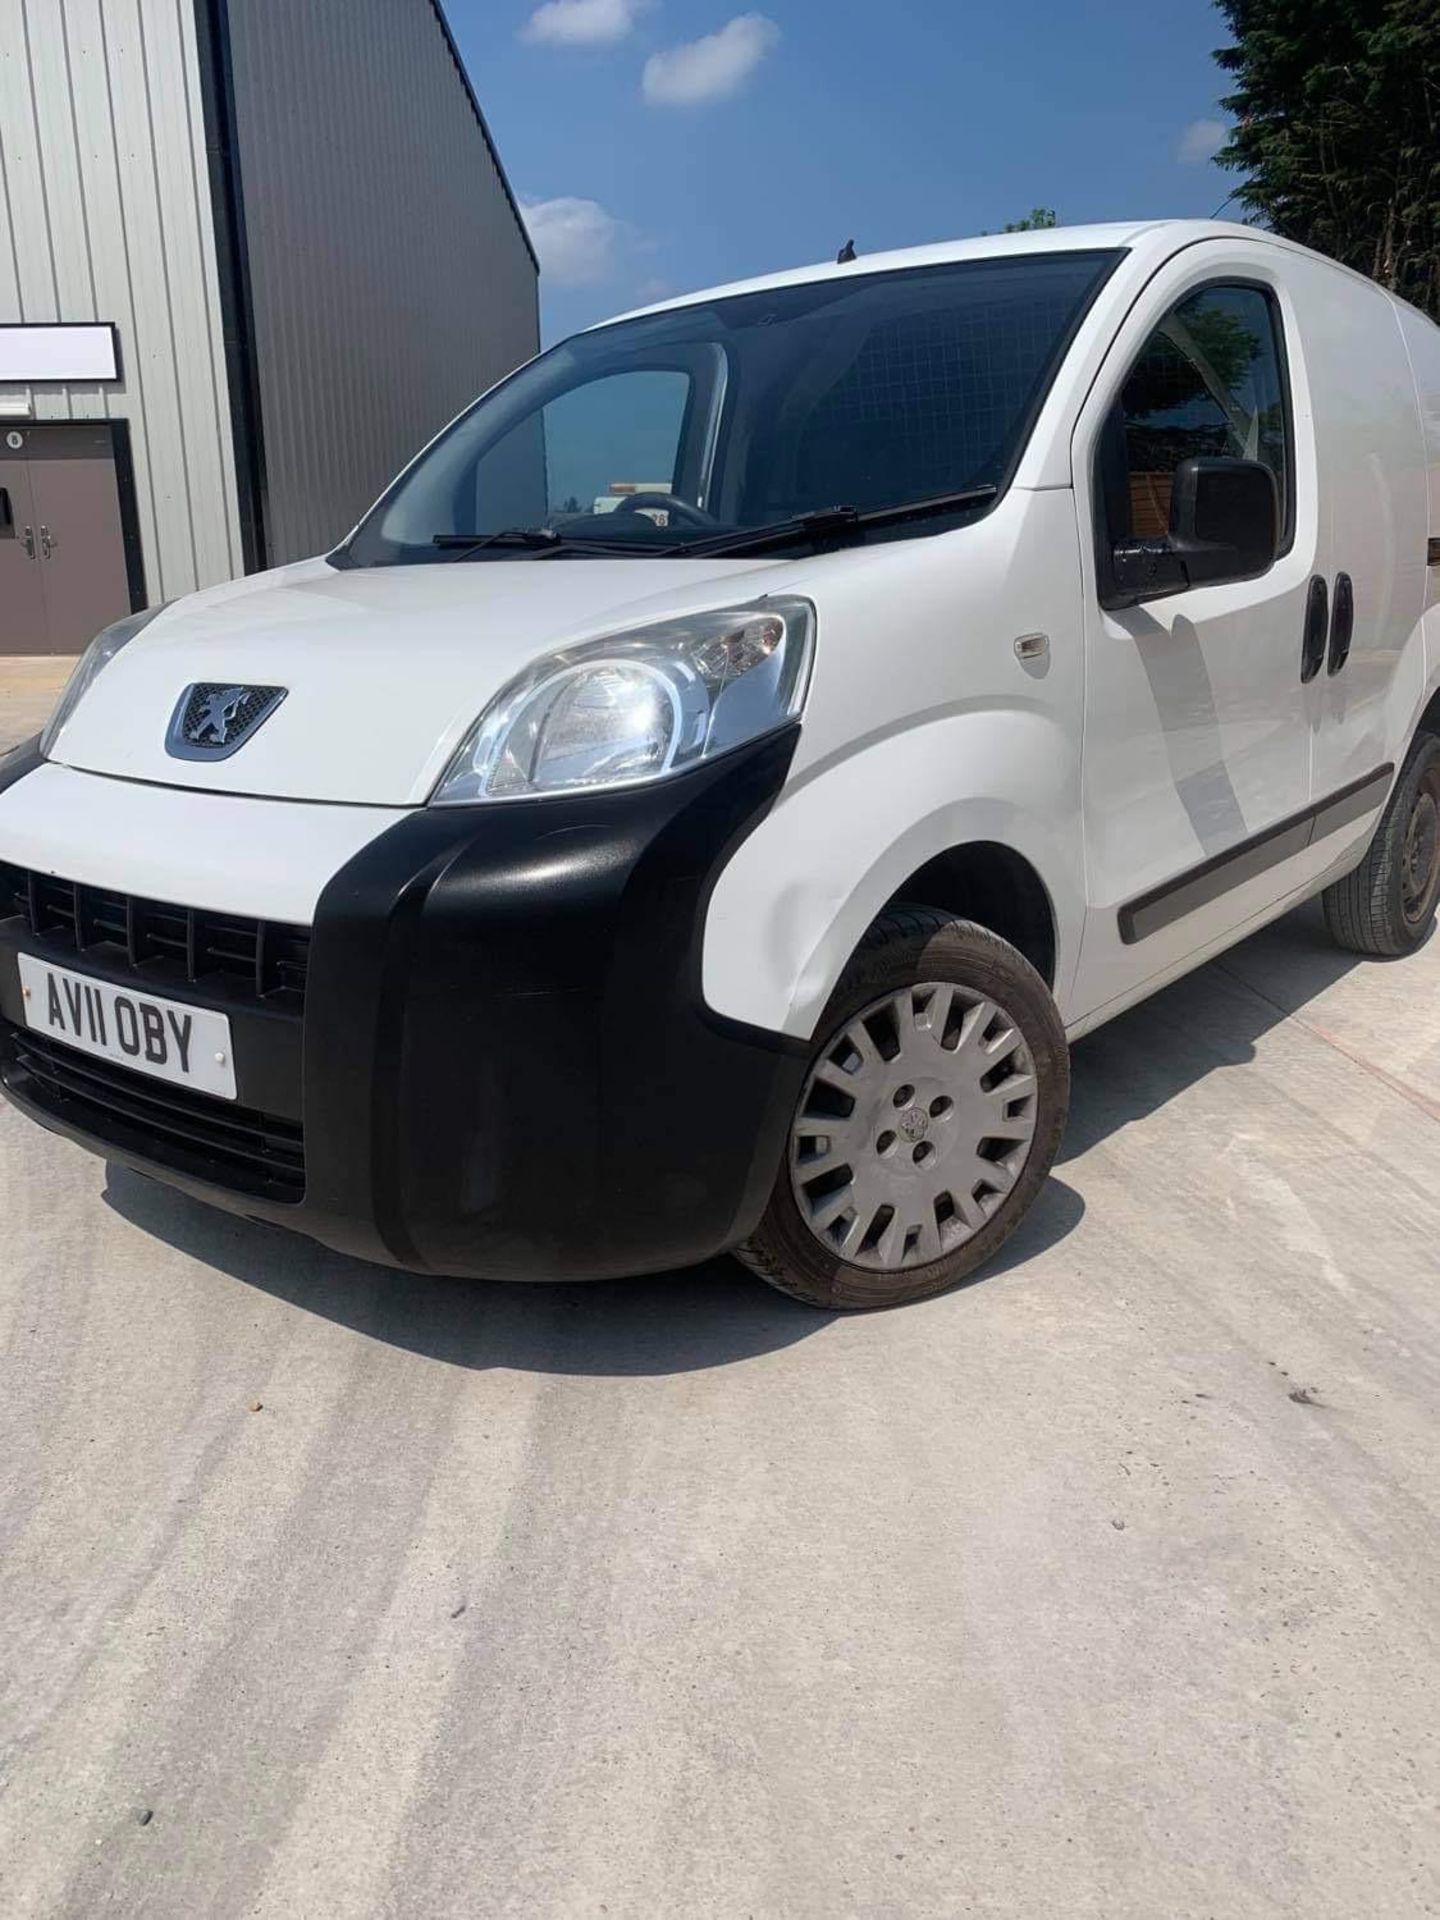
pixel 929 1119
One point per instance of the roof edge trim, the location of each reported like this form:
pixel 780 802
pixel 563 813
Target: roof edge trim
pixel 439 11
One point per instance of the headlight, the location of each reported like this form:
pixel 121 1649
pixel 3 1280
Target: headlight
pixel 637 706
pixel 92 663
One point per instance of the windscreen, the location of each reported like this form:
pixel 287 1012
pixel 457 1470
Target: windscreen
pixel 859 393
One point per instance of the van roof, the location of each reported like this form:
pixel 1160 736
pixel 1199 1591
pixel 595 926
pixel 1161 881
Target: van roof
pixel 985 246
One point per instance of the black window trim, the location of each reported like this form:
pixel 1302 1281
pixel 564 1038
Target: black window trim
pixel 1103 539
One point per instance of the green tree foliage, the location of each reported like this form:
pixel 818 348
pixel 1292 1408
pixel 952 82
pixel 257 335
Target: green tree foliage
pixel 1337 130
pixel 1168 379
pixel 1036 221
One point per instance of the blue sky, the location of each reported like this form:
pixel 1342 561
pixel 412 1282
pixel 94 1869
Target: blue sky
pixel 661 145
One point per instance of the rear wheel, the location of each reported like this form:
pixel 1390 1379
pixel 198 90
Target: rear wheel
pixel 1386 907
pixel 929 1119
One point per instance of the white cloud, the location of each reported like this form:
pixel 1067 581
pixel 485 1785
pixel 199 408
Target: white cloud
pixel 1201 141
pixel 583 23
pixel 711 68
pixel 578 242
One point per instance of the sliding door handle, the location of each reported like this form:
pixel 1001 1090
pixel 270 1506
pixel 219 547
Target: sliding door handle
pixel 48 541
pixel 1317 630
pixel 1342 621
pixel 27 540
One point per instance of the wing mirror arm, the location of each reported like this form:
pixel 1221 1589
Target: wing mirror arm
pixel 1145 570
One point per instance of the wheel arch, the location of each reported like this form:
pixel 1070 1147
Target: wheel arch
pixel 779 936
pixel 980 808
pixel 990 883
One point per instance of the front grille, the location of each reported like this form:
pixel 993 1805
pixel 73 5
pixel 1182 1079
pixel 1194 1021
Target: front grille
pixel 212 1139
pixel 262 956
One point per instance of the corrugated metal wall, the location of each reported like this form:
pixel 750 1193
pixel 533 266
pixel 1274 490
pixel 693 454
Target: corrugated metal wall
pixel 390 278
pixel 105 215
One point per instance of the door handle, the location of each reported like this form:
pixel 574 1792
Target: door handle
pixel 27 540
pixel 48 541
pixel 1342 622
pixel 1317 630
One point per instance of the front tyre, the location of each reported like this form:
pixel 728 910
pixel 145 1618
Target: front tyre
pixel 930 1117
pixel 1386 907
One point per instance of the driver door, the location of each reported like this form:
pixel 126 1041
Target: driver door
pixel 1196 763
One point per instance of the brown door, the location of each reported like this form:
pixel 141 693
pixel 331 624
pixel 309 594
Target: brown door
pixel 76 536
pixel 23 627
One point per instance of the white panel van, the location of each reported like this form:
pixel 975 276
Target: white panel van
pixel 696 807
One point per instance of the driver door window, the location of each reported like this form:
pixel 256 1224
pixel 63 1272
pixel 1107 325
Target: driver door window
pixel 1209 381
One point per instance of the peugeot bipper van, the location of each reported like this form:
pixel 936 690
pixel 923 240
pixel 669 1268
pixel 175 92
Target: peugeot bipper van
pixel 697 805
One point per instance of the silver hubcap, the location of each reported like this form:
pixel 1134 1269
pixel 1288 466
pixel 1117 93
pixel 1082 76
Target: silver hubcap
pixel 914 1125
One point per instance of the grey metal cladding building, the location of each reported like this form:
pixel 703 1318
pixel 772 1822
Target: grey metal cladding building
pixel 253 254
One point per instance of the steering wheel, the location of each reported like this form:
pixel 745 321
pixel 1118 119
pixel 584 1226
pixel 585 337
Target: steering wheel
pixel 670 503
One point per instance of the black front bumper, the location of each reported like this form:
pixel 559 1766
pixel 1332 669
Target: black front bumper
pixel 503 1065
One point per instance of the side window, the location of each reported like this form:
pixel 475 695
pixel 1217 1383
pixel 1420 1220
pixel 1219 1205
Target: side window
pixel 1210 380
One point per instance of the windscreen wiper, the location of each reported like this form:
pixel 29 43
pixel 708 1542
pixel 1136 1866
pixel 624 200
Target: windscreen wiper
pixel 828 523
pixel 543 542
pixel 464 543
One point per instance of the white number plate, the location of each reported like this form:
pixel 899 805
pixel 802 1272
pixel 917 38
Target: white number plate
pixel 187 1045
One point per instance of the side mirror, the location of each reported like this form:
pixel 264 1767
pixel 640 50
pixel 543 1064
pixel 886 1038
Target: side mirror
pixel 1224 519
pixel 1224 525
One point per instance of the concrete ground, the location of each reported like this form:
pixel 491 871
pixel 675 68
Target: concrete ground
pixel 29 685
pixel 1105 1587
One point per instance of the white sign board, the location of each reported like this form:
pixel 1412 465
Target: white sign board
pixel 41 353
